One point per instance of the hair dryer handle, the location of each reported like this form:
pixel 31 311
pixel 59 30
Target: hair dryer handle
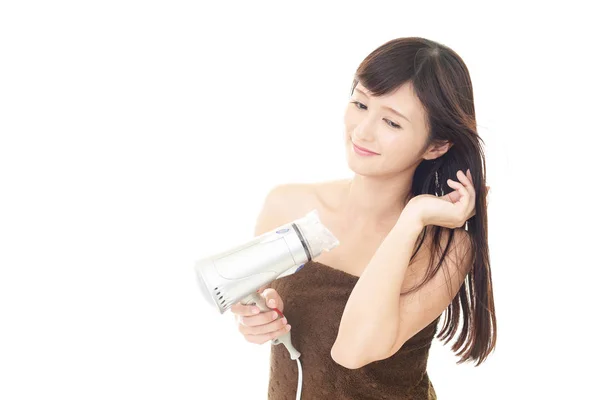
pixel 286 339
pixel 256 299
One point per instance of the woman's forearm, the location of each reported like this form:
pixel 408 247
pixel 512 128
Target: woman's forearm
pixel 370 320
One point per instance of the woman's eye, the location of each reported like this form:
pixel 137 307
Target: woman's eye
pixel 358 104
pixel 393 125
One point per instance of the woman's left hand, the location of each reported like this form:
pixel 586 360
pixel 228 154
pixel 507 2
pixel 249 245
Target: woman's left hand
pixel 451 210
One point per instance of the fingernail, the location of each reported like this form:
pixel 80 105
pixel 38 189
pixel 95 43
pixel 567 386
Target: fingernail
pixel 287 327
pixel 272 303
pixel 274 315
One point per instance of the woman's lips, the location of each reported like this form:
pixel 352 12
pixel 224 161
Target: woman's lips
pixel 362 151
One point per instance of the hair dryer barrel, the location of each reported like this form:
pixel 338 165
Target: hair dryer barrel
pixel 233 275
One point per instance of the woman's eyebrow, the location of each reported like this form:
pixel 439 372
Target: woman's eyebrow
pixel 386 107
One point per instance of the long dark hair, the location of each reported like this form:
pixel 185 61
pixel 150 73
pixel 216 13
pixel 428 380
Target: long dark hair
pixel 442 83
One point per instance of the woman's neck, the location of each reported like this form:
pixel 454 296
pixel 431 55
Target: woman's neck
pixel 371 202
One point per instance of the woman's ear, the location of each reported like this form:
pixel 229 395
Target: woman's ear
pixel 437 150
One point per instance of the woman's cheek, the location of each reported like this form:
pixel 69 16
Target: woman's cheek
pixel 349 119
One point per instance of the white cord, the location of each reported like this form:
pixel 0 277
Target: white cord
pixel 299 390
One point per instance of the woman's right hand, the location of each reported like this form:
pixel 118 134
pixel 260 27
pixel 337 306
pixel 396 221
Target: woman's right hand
pixel 262 326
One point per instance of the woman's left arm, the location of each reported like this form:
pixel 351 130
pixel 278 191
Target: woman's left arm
pixel 377 321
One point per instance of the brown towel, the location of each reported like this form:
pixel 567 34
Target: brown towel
pixel 315 298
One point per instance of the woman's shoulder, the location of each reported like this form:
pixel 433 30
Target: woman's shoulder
pixel 319 188
pixel 300 198
pixel 286 202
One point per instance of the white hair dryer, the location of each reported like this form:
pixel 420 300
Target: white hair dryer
pixel 237 274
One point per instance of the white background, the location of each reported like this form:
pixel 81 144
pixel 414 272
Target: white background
pixel 139 137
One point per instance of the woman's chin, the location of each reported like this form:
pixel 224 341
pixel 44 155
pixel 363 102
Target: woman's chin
pixel 358 165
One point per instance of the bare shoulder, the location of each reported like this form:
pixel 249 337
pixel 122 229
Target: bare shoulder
pixel 289 201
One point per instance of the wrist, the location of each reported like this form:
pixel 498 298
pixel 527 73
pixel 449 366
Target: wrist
pixel 410 221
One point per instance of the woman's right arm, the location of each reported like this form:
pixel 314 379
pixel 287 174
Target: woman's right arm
pixel 272 213
pixel 265 326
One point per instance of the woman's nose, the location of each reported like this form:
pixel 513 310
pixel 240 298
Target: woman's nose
pixel 364 131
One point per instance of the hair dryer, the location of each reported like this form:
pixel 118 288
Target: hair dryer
pixel 237 274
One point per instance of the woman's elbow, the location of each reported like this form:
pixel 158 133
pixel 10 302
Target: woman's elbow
pixel 345 358
pixel 353 359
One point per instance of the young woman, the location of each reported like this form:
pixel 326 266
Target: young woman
pixel 412 226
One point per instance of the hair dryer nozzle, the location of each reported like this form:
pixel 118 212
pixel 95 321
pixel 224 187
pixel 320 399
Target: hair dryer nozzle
pixel 317 236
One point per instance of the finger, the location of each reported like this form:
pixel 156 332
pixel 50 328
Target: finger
pixel 260 319
pixel 241 309
pixel 464 202
pixel 260 339
pixel 464 179
pixel 471 214
pixel 452 197
pixel 263 329
pixel 464 194
pixel 273 299
pixel 471 189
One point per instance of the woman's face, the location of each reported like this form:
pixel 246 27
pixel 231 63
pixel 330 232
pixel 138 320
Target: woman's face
pixel 371 123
